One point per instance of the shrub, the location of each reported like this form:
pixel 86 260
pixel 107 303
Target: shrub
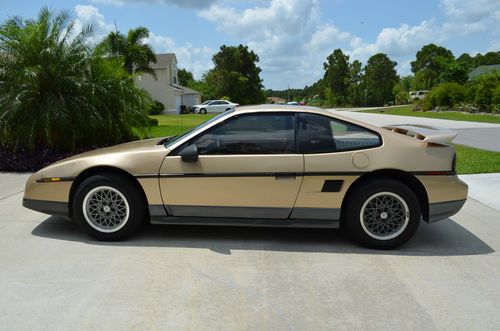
pixel 153 122
pixel 402 98
pixel 443 96
pixel 156 107
pixel 495 96
pixel 56 93
pixel 486 85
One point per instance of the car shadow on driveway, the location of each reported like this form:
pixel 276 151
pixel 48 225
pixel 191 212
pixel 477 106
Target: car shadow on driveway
pixel 444 238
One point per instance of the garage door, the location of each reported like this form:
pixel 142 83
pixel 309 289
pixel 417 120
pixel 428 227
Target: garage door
pixel 178 102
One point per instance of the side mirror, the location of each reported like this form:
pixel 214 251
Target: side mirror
pixel 189 154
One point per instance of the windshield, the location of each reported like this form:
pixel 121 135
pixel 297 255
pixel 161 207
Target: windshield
pixel 207 102
pixel 172 140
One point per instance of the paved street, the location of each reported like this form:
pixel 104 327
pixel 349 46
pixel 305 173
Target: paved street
pixel 475 134
pixel 203 278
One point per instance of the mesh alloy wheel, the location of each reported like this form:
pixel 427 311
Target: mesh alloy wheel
pixel 106 209
pixel 384 216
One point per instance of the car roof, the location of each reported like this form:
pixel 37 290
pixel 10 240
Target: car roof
pixel 277 108
pixel 302 109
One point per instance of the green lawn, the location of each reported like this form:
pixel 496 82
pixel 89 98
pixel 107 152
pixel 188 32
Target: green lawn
pixel 476 161
pixel 171 125
pixel 469 160
pixel 450 115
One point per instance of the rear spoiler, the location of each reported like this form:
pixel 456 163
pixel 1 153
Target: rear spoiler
pixel 427 134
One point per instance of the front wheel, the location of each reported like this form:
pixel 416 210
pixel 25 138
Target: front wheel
pixel 383 214
pixel 108 207
pixel 203 111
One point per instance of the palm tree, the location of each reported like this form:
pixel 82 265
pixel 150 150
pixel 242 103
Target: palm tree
pixel 55 92
pixel 136 54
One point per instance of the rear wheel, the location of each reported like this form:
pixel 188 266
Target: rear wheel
pixel 383 214
pixel 108 207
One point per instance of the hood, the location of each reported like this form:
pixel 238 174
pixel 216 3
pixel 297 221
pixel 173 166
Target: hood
pixel 143 156
pixel 125 147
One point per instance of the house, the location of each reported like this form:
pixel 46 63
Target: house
pixel 481 70
pixel 276 100
pixel 165 88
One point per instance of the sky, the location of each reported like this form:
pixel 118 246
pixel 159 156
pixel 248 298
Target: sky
pixel 291 37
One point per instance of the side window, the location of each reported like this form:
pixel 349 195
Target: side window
pixel 322 134
pixel 250 134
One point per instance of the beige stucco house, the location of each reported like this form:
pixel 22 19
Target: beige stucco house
pixel 165 87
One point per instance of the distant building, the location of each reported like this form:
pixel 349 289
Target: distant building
pixel 481 70
pixel 166 88
pixel 276 100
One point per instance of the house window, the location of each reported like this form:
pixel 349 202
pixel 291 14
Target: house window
pixel 174 72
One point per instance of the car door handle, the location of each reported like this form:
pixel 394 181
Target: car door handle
pixel 289 175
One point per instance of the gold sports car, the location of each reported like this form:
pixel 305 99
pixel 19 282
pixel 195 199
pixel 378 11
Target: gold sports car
pixel 262 166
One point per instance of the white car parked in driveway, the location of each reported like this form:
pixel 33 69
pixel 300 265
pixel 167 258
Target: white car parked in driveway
pixel 214 106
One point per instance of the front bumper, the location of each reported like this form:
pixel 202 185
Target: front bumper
pixel 47 207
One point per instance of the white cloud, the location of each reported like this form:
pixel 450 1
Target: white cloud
pixel 178 3
pixel 468 17
pixel 289 36
pixel 90 15
pixel 398 42
pixel 195 59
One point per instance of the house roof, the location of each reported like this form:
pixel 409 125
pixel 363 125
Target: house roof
pixel 164 60
pixel 481 70
pixel 188 90
pixel 184 90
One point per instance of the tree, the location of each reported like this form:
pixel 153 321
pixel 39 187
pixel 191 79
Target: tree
pixel 402 89
pixel 185 77
pixel 132 49
pixel 356 83
pixel 454 71
pixel 235 75
pixel 479 59
pixel 55 93
pixel 380 78
pixel 430 62
pixel 337 76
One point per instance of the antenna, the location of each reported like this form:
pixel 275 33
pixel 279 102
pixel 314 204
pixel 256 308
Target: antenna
pixel 116 27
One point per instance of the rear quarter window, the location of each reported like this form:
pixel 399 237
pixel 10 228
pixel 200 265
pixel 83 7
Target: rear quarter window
pixel 322 134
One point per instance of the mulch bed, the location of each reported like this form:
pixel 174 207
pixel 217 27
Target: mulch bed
pixel 24 160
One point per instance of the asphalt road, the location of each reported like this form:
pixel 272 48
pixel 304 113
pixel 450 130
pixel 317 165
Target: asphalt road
pixel 54 277
pixel 474 134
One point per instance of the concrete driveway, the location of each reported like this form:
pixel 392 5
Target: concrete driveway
pixel 474 134
pixel 53 277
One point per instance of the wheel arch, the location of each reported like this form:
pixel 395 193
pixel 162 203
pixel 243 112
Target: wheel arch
pixel 99 170
pixel 405 177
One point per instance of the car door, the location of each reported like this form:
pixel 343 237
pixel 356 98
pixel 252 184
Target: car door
pixel 219 106
pixel 247 168
pixel 224 105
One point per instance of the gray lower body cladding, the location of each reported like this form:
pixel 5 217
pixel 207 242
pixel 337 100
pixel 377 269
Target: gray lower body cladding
pixel 442 210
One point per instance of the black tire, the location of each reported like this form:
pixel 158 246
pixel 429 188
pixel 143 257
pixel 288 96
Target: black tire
pixel 203 111
pixel 228 109
pixel 137 211
pixel 364 227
